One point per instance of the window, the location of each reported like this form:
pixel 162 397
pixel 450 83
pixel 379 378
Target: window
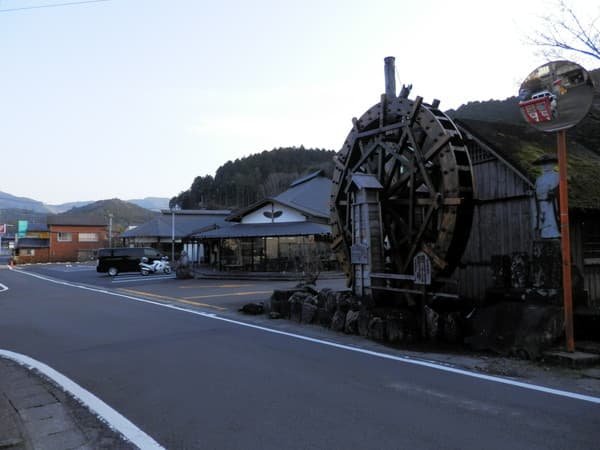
pixel 591 241
pixel 88 237
pixel 26 252
pixel 64 237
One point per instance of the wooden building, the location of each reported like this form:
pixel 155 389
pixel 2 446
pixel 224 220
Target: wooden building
pixel 75 238
pixel 505 217
pixel 287 232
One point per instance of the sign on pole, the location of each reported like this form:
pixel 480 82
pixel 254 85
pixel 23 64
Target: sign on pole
pixel 2 228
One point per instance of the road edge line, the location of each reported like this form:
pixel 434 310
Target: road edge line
pixel 103 411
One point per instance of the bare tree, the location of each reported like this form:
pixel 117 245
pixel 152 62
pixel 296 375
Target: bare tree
pixel 567 31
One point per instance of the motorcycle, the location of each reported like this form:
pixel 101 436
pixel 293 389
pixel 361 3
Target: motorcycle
pixel 158 266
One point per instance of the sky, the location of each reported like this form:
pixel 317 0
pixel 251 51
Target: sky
pixel 135 98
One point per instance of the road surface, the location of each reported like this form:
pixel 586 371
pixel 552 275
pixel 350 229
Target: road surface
pixel 199 380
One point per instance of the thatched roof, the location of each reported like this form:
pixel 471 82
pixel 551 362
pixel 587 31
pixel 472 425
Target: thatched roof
pixel 521 145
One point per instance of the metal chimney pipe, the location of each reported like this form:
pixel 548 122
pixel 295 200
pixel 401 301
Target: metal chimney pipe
pixel 390 77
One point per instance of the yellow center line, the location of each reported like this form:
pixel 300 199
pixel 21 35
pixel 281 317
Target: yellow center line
pixel 174 299
pixel 229 294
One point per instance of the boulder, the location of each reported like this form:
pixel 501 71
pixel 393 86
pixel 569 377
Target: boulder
pixel 394 330
pixel 252 308
pixel 364 317
pixel 377 329
pixel 338 322
pixel 351 326
pixel 323 317
pixel 308 313
pixel 432 323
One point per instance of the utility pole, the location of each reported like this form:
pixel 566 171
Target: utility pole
pixel 110 224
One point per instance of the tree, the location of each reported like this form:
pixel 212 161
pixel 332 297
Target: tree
pixel 567 31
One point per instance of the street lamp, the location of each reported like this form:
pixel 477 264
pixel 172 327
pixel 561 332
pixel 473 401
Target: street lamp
pixel 173 209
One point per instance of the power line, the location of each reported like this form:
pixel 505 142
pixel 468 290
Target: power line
pixel 54 5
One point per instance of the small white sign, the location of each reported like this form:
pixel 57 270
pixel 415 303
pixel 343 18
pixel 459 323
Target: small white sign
pixel 359 254
pixel 422 268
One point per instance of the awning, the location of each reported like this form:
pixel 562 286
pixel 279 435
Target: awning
pixel 251 230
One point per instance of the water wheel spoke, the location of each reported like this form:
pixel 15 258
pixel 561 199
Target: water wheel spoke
pixel 420 162
pixel 415 244
pixel 413 151
pixel 366 153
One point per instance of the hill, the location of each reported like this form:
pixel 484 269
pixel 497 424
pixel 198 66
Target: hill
pixel 124 213
pixel 586 133
pixel 9 201
pixel 244 181
pixel 151 203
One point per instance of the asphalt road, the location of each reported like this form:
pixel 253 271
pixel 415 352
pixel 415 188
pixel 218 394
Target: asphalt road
pixel 193 381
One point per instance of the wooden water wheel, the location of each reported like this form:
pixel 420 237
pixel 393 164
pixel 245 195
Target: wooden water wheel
pixel 421 162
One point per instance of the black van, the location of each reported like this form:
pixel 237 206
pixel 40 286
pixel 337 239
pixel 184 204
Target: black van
pixel 115 260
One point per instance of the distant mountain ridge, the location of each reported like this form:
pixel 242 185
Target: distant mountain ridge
pixel 9 201
pixel 122 214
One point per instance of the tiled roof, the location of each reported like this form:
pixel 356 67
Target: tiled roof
pixel 185 224
pixel 76 221
pixel 309 195
pixel 240 230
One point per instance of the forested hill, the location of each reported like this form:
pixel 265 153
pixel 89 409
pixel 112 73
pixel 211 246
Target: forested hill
pixel 586 133
pixel 244 181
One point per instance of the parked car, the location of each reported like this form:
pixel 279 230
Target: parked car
pixel 549 95
pixel 124 259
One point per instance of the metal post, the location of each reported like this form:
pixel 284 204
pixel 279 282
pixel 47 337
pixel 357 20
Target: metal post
pixel 172 235
pixel 565 238
pixel 390 77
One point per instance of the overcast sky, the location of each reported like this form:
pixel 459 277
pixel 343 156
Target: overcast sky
pixel 135 98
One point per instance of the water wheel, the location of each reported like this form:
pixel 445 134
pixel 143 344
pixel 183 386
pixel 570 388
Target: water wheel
pixel 421 162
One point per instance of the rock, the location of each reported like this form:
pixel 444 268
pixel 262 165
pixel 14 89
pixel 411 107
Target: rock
pixel 394 330
pixel 252 308
pixel 338 322
pixel 322 296
pixel 377 329
pixel 515 328
pixel 331 302
pixel 432 323
pixel 519 270
pixel 343 301
pixel 309 311
pixel 450 328
pixel 308 287
pixel 283 294
pixel 351 326
pixel 364 317
pixel 323 317
pixel 275 305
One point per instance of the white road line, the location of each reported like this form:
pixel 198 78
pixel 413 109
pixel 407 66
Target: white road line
pixel 3 288
pixel 114 420
pixel 404 359
pixel 142 278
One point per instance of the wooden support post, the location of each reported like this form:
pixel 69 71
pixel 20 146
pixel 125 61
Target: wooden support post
pixel 565 239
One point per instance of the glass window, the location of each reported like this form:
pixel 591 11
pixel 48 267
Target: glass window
pixel 88 237
pixel 64 237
